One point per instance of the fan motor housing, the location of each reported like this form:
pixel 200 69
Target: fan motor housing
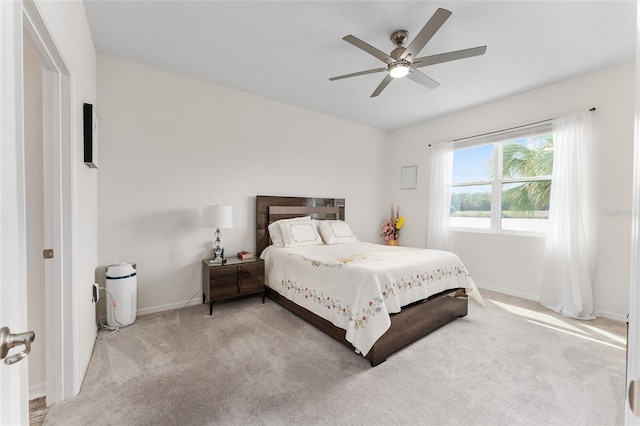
pixel 398 37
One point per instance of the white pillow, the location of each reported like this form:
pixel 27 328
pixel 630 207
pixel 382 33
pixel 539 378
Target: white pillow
pixel 300 233
pixel 276 234
pixel 336 232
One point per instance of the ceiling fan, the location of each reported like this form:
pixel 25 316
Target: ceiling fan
pixel 402 61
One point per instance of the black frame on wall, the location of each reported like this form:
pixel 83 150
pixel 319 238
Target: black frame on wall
pixel 90 136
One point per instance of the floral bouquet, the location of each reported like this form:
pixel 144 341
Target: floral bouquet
pixel 391 227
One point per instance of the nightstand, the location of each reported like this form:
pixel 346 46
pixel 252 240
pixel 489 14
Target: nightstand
pixel 233 279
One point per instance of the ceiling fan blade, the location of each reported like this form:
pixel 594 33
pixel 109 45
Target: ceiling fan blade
pixel 385 82
pixel 425 34
pixel 449 56
pixel 355 74
pixel 423 79
pixel 368 48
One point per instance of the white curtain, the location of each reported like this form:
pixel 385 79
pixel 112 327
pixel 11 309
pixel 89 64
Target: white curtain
pixel 569 258
pixel 439 195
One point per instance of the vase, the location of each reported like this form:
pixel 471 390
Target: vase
pixel 392 242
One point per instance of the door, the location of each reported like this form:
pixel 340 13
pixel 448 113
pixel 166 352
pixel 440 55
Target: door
pixel 632 405
pixel 33 67
pixel 14 404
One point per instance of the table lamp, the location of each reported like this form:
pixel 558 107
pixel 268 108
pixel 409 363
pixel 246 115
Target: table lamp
pixel 217 217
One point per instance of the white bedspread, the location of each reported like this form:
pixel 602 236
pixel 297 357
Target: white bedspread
pixel 356 286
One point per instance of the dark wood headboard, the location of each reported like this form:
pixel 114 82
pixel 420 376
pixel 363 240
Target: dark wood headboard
pixel 272 208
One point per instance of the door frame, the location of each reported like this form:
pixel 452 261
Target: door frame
pixel 59 178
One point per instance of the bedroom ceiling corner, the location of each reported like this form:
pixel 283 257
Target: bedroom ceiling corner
pixel 288 50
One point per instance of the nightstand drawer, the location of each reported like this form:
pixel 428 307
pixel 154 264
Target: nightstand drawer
pixel 251 277
pixel 232 279
pixel 224 282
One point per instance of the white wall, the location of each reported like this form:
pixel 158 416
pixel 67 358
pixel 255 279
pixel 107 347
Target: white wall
pixel 511 264
pixel 169 144
pixel 68 22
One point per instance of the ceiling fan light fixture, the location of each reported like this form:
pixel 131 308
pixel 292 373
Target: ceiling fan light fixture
pixel 404 61
pixel 399 70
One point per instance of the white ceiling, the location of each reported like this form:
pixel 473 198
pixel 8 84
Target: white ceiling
pixel 287 50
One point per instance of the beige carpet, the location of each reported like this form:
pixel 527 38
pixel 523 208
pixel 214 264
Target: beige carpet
pixel 509 363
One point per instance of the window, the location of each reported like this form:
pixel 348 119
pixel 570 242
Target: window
pixel 502 181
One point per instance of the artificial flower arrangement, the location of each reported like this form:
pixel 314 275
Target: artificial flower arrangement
pixel 391 227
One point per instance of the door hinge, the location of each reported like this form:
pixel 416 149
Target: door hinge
pixel 47 253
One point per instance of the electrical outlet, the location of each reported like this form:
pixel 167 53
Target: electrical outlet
pixel 96 293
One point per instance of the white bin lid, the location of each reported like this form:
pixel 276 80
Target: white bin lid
pixel 121 270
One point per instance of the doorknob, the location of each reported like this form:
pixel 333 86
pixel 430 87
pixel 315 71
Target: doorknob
pixel 8 341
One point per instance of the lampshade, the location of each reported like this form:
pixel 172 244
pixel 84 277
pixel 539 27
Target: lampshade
pixel 398 70
pixel 217 217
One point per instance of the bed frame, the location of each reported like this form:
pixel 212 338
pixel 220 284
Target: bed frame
pixel 407 326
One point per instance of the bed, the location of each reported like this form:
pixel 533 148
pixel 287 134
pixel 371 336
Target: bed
pixel 368 296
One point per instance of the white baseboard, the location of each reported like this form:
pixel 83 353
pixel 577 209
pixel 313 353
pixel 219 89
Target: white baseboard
pixel 102 319
pixel 508 292
pixel 605 314
pixel 37 391
pixel 196 300
pixel 612 315
pixel 161 308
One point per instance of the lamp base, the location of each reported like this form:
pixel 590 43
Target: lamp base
pixel 218 250
pixel 218 253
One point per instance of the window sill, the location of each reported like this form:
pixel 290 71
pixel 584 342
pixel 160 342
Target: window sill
pixel 500 232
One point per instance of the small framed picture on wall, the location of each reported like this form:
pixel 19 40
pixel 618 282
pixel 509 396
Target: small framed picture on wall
pixel 409 177
pixel 90 119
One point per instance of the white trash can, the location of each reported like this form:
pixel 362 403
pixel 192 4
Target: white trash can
pixel 122 294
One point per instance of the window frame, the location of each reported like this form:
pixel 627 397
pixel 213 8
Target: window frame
pixel 498 140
